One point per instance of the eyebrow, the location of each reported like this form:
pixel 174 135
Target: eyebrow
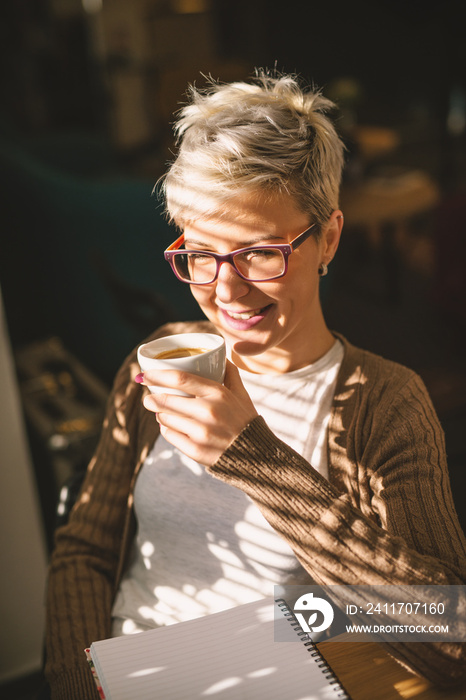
pixel 250 243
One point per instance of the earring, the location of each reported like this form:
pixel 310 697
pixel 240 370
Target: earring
pixel 323 269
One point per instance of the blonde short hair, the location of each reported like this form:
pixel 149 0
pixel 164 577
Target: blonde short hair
pixel 269 136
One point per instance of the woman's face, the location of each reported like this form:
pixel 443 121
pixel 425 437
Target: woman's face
pixel 270 326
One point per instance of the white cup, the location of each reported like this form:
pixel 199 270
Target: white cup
pixel 210 363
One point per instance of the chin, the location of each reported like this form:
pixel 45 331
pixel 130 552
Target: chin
pixel 243 343
pixel 246 347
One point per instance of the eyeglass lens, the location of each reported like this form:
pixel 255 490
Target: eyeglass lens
pixel 254 264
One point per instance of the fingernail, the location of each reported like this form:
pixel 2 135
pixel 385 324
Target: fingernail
pixel 139 378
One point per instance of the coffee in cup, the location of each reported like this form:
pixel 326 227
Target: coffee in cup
pixel 178 352
pixel 197 353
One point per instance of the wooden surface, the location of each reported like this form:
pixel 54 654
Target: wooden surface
pixel 368 673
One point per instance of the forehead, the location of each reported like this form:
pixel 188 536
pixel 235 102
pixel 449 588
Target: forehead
pixel 247 221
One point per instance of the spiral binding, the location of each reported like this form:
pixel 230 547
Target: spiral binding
pixel 328 672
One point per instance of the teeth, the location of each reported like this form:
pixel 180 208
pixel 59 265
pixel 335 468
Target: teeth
pixel 244 316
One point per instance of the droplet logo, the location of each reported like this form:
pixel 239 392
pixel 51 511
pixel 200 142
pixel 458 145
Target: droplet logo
pixel 312 605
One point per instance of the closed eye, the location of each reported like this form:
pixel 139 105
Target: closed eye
pixel 199 257
pixel 259 253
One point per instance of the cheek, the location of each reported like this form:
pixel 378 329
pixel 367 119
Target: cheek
pixel 197 293
pixel 303 276
pixel 291 289
pixel 295 298
pixel 203 296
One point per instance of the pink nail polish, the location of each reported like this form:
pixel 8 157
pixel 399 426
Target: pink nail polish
pixel 139 378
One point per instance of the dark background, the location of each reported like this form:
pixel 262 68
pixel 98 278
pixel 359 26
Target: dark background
pixel 81 233
pixel 79 222
pixel 87 95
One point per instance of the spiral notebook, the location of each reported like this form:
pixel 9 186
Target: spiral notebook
pixel 230 655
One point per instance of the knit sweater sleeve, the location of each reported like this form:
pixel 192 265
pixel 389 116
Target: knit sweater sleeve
pixel 84 562
pixel 413 536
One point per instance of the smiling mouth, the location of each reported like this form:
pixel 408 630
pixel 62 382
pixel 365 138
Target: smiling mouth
pixel 243 320
pixel 244 315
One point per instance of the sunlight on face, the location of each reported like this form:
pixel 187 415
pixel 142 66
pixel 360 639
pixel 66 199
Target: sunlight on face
pixel 274 318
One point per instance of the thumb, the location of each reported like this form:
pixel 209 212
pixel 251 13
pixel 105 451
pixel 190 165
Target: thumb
pixel 242 406
pixel 232 378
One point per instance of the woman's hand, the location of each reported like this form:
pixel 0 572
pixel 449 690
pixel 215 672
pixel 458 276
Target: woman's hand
pixel 203 424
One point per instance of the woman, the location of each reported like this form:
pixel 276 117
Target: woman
pixel 337 455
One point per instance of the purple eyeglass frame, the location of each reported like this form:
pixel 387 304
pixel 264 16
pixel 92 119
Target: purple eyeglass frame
pixel 285 248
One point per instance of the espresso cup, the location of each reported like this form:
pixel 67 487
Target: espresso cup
pixel 197 353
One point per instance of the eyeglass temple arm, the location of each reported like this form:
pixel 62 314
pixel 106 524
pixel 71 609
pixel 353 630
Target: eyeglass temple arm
pixel 302 237
pixel 177 244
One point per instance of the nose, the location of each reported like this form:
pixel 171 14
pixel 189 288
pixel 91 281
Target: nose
pixel 229 285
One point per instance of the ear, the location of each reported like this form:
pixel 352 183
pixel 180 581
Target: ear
pixel 331 236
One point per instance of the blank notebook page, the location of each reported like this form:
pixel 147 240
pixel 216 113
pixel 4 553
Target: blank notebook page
pixel 230 655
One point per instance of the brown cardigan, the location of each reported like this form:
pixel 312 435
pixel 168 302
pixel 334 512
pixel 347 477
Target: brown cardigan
pixel 386 515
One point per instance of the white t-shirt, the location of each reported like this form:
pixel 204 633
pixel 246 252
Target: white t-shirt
pixel 202 545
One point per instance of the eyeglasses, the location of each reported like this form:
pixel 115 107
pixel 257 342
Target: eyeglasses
pixel 254 264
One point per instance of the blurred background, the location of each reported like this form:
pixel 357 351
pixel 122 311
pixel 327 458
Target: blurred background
pixel 88 91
